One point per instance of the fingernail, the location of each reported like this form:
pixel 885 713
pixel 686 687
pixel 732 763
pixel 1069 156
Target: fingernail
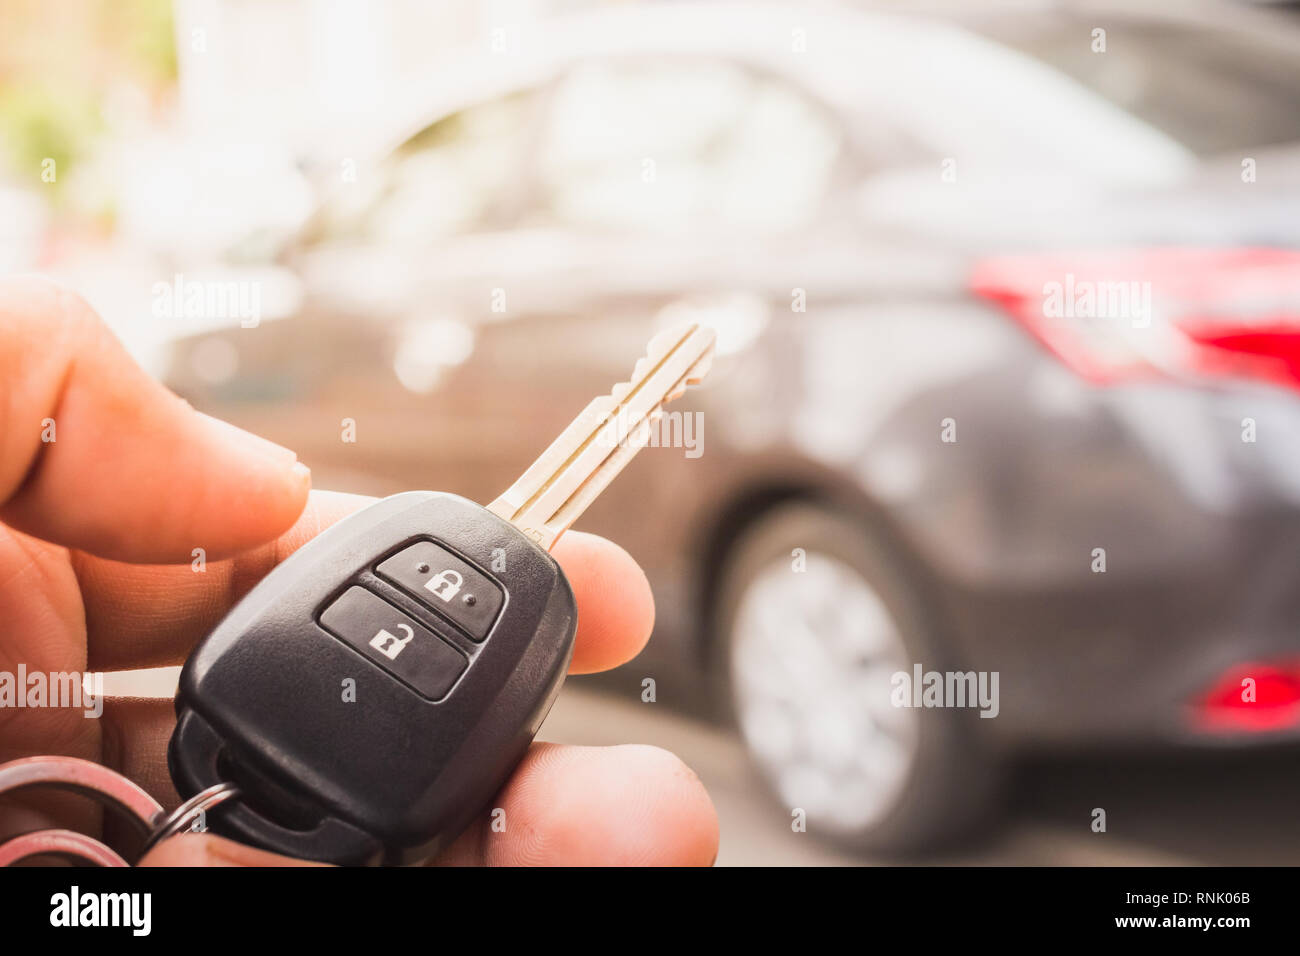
pixel 245 443
pixel 228 853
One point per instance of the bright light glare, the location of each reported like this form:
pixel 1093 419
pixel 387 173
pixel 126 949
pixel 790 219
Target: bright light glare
pixel 427 348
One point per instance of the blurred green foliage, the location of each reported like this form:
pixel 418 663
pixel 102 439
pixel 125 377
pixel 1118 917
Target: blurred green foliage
pixel 57 65
pixel 37 123
pixel 151 33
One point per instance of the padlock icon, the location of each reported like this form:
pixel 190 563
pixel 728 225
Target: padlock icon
pixel 446 585
pixel 390 645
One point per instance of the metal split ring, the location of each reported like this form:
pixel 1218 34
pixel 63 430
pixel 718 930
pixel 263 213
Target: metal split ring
pixel 109 789
pixel 192 809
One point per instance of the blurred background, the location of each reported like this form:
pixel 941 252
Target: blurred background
pixel 1009 348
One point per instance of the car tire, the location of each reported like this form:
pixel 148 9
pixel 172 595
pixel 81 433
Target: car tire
pixel 807 695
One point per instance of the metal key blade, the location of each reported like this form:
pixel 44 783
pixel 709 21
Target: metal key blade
pixel 605 436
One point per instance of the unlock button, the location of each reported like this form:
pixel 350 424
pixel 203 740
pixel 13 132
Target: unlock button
pixel 413 654
pixel 455 589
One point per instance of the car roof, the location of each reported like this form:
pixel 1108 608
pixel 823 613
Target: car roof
pixel 862 65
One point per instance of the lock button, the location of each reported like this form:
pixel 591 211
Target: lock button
pixel 453 588
pixel 413 654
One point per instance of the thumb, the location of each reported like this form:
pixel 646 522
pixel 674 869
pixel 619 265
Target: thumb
pixel 96 455
pixel 202 849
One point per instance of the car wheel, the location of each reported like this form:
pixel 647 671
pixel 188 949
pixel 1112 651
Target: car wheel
pixel 817 620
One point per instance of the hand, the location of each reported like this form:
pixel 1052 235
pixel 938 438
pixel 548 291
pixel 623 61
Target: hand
pixel 98 534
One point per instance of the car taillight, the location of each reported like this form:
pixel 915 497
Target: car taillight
pixel 1254 696
pixel 1157 313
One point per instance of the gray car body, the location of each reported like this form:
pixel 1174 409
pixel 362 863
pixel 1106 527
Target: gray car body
pixel 842 403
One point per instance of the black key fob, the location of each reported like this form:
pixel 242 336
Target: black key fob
pixel 372 694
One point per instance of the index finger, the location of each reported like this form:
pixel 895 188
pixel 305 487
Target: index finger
pixel 96 455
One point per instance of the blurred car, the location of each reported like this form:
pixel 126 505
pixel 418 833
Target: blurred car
pixel 904 457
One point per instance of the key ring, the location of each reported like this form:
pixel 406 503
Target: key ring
pixel 111 790
pixel 192 809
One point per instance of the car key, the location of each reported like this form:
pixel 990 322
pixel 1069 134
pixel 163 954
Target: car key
pixel 372 694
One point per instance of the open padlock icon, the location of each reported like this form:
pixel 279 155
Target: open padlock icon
pixel 446 585
pixel 390 645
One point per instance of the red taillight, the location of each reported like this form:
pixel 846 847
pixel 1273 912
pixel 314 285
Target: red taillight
pixel 1254 696
pixel 1269 352
pixel 1141 314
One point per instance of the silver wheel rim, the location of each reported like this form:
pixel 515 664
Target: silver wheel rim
pixel 813 654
